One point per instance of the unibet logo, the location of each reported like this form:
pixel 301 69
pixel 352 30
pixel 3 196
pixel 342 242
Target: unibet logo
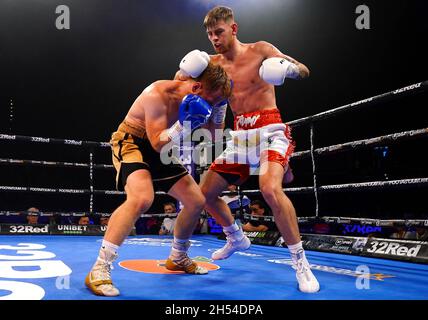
pixel 158 266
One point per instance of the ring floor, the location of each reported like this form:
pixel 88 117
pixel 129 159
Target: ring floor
pixel 260 273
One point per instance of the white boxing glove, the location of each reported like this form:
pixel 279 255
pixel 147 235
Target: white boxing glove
pixel 194 63
pixel 275 70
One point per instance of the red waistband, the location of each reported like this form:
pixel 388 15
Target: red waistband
pixel 256 119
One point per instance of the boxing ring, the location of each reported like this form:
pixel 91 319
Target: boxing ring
pixel 53 267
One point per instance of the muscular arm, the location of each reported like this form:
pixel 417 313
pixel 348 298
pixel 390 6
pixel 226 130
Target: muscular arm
pixel 269 51
pixel 156 119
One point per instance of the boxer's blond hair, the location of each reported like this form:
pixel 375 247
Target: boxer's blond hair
pixel 217 14
pixel 214 78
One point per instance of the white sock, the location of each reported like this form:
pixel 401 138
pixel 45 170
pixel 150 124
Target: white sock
pixel 108 252
pixel 234 232
pixel 231 229
pixel 297 251
pixel 294 248
pixel 179 246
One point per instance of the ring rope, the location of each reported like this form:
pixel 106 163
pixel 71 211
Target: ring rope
pixel 65 190
pixel 327 219
pixel 417 87
pixel 355 186
pixel 337 187
pixel 349 220
pixel 375 185
pixel 377 222
pixel 54 164
pixel 414 88
pixel 79 214
pixel 394 137
pixel 55 141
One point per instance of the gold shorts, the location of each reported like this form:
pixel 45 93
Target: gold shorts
pixel 132 151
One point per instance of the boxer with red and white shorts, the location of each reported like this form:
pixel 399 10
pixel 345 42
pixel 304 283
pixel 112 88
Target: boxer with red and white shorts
pixel 261 143
pixel 258 136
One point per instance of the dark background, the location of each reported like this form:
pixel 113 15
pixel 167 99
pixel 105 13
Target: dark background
pixel 80 83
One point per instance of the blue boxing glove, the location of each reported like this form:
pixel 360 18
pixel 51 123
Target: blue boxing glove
pixel 194 109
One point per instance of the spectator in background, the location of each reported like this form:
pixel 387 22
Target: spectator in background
pixel 104 220
pixel 33 215
pixel 169 208
pixel 168 223
pixel 421 233
pixel 415 233
pixel 258 210
pixel 400 233
pixel 84 221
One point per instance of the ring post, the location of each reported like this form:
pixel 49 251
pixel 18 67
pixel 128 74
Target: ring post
pixel 314 169
pixel 91 181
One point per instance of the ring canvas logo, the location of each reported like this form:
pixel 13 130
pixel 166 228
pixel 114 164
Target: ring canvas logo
pixel 158 266
pixel 27 261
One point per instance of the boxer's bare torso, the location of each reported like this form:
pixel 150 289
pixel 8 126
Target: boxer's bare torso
pixel 250 92
pixel 162 95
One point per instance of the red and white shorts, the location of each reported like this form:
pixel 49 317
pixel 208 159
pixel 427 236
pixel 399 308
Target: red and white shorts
pixel 258 136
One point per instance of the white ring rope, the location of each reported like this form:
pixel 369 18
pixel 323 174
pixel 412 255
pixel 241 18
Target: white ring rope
pixel 355 186
pixel 337 187
pixel 313 219
pixel 54 164
pixel 394 137
pixel 417 87
pixel 390 138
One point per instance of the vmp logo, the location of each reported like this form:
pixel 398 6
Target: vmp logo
pixel 27 261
